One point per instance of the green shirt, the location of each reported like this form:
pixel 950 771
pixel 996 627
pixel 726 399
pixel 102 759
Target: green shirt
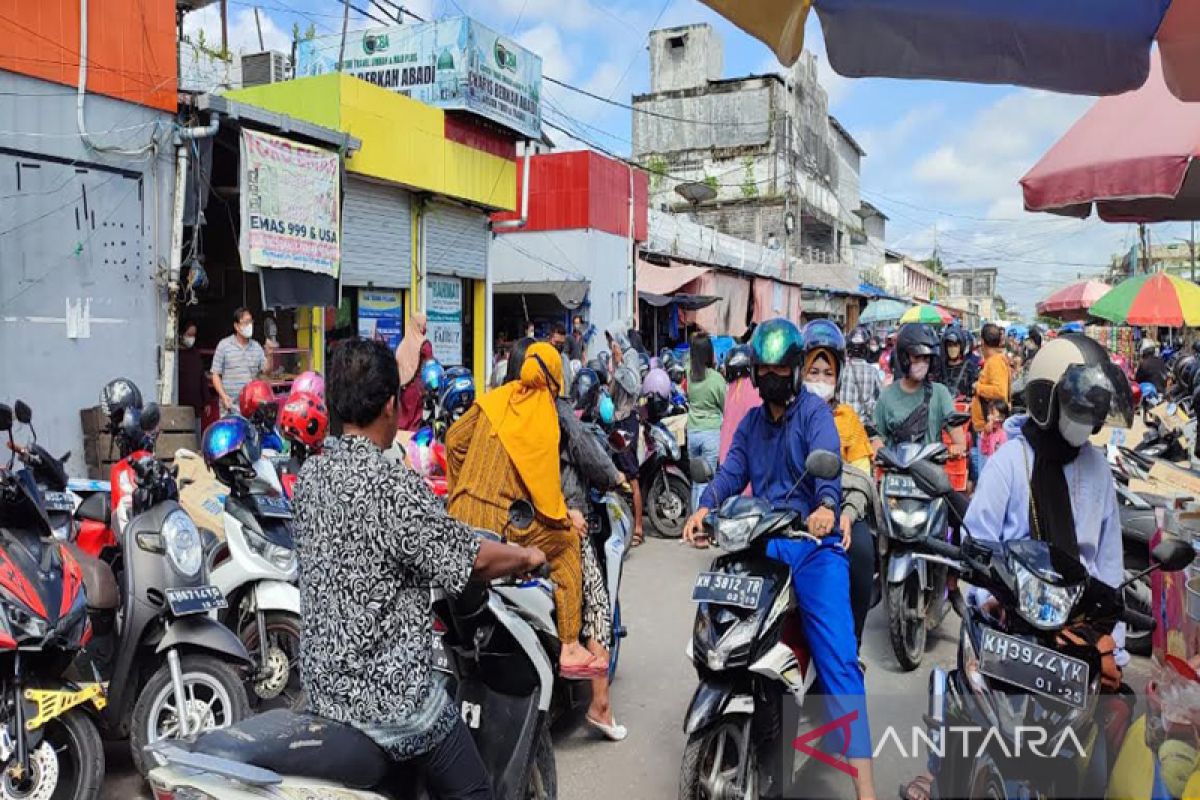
pixel 895 405
pixel 706 402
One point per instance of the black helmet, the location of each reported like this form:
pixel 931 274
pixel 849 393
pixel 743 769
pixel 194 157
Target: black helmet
pixel 1074 376
pixel 1185 370
pixel 915 339
pixel 585 391
pixel 677 373
pixel 738 362
pixel 858 342
pixel 953 334
pixel 666 357
pixel 118 396
pixel 599 367
pixel 778 343
pixel 643 364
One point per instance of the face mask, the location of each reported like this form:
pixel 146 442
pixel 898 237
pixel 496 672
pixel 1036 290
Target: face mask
pixel 774 388
pixel 246 330
pixel 579 327
pixel 820 389
pixel 1075 433
pixel 606 409
pixel 188 342
pixel 918 371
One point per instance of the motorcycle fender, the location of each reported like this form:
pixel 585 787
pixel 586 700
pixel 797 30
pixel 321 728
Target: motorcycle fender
pixel 277 596
pixel 710 701
pixel 674 470
pixel 901 565
pixel 204 633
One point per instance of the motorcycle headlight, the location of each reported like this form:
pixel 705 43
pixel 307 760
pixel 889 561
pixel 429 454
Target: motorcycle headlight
pixel 666 443
pixel 734 534
pixel 907 514
pixel 182 540
pixel 736 638
pixel 1043 605
pixel 281 558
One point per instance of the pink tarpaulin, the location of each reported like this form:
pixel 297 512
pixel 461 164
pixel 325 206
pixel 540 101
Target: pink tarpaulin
pixel 727 316
pixel 1072 302
pixel 665 280
pixel 1130 155
pixel 774 299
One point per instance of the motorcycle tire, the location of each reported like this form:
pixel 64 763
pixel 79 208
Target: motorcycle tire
pixel 283 634
pixel 698 753
pixel 907 635
pixel 1137 596
pixel 614 650
pixel 669 494
pixel 542 779
pixel 197 669
pixel 71 738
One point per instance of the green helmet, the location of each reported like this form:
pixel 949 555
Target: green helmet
pixel 777 342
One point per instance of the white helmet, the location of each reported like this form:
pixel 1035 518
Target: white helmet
pixel 1072 377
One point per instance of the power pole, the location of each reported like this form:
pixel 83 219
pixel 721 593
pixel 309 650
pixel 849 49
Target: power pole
pixel 345 22
pixel 1193 248
pixel 258 24
pixel 224 26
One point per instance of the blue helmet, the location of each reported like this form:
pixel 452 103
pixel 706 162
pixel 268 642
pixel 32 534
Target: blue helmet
pixel 230 445
pixel 605 408
pixel 432 375
pixel 458 392
pixel 1149 390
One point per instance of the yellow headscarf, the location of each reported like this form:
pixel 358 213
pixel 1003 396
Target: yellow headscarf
pixel 522 414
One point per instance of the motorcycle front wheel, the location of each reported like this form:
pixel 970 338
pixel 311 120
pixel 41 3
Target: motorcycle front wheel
pixel 278 684
pixel 906 624
pixel 542 783
pixel 711 759
pixel 68 764
pixel 1137 596
pixel 668 505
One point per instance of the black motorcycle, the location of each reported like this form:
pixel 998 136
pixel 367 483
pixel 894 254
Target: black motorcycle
pixel 664 480
pixel 1019 716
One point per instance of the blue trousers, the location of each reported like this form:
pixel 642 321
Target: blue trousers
pixel 821 581
pixel 704 445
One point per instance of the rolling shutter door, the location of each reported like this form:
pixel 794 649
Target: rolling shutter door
pixel 456 241
pixel 376 236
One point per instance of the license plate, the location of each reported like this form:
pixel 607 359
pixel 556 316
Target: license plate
pixel 276 507
pixel 1033 667
pixel 441 659
pixel 195 600
pixel 727 590
pixel 58 501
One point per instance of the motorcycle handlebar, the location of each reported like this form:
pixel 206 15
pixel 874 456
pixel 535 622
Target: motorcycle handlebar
pixel 940 548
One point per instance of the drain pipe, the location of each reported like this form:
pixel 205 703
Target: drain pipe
pixel 503 225
pixel 183 139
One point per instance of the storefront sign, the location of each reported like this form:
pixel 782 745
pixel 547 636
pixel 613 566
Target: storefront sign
pixel 445 312
pixel 290 205
pixel 455 63
pixel 380 316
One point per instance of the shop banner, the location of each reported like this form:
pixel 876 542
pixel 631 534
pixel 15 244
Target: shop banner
pixel 445 315
pixel 380 316
pixel 290 206
pixel 454 63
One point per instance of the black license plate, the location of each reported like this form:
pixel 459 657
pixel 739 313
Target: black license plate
pixel 441 659
pixel 727 590
pixel 1033 667
pixel 275 507
pixel 58 501
pixel 196 600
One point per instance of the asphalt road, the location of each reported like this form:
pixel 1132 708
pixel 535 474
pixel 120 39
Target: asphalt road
pixel 655 682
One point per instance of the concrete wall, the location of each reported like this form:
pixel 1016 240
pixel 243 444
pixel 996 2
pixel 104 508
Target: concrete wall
pixel 726 116
pixel 600 258
pixel 684 57
pixel 81 239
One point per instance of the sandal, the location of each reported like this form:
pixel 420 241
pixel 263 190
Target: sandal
pixel 583 672
pixel 919 788
pixel 639 539
pixel 701 541
pixel 613 732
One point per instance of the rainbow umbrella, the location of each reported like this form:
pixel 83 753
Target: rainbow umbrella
pixel 1155 299
pixel 930 315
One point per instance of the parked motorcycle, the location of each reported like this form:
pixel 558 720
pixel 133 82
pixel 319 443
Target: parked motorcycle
pixel 749 653
pixel 49 743
pixel 171 669
pixel 500 642
pixel 1016 673
pixel 255 567
pixel 50 475
pixel 664 480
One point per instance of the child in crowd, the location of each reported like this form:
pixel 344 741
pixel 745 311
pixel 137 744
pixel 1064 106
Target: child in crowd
pixel 993 435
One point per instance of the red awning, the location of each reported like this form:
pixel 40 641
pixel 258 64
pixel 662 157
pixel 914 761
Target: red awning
pixel 665 280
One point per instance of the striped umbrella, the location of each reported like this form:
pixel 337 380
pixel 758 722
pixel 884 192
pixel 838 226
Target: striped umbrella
pixel 930 315
pixel 1155 299
pixel 883 311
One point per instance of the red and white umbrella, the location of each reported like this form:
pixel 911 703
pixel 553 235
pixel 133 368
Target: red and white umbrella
pixel 1072 302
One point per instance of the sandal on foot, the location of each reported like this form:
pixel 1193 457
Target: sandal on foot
pixel 919 788
pixel 613 732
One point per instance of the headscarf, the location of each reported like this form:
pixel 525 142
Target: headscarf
pixel 1049 494
pixel 740 397
pixel 522 414
pixel 408 354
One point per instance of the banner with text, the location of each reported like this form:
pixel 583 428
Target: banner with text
pixel 445 316
pixel 290 205
pixel 380 316
pixel 454 63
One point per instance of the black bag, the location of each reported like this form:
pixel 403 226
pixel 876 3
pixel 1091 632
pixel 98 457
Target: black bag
pixel 915 427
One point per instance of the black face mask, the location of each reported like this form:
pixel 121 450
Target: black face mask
pixel 776 389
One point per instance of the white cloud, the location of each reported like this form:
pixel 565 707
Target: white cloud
pixel 545 40
pixel 243 33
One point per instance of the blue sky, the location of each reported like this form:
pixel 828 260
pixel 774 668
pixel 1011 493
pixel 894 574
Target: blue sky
pixel 943 159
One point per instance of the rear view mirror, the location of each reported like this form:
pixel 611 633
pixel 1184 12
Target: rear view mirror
pixel 24 412
pixel 151 416
pixel 823 464
pixel 520 514
pixel 6 418
pixel 1173 554
pixel 930 479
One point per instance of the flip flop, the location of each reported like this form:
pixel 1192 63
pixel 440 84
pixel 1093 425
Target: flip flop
pixel 638 540
pixel 584 672
pixel 613 733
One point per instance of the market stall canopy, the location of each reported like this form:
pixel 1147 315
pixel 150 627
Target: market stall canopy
pixel 685 302
pixel 1132 156
pixel 570 293
pixel 665 280
pixel 1078 46
pixel 883 311
pixel 1073 302
pixel 1155 299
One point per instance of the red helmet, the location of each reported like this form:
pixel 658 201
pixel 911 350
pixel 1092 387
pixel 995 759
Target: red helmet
pixel 304 419
pixel 254 396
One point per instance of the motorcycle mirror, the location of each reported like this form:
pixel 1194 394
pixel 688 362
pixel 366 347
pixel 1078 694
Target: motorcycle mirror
pixel 823 464
pixel 700 470
pixel 24 412
pixel 6 417
pixel 151 416
pixel 930 479
pixel 1173 554
pixel 520 514
pixel 957 420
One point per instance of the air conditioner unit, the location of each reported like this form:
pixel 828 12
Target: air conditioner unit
pixel 269 66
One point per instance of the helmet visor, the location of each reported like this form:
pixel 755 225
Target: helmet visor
pixel 1096 395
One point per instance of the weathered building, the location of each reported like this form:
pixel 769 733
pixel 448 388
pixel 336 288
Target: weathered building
pixel 974 289
pixel 907 277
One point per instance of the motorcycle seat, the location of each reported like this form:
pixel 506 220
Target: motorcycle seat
pixel 300 745
pixel 96 508
pixel 98 581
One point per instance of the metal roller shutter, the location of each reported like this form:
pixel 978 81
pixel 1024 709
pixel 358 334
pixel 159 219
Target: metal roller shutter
pixel 456 241
pixel 376 236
